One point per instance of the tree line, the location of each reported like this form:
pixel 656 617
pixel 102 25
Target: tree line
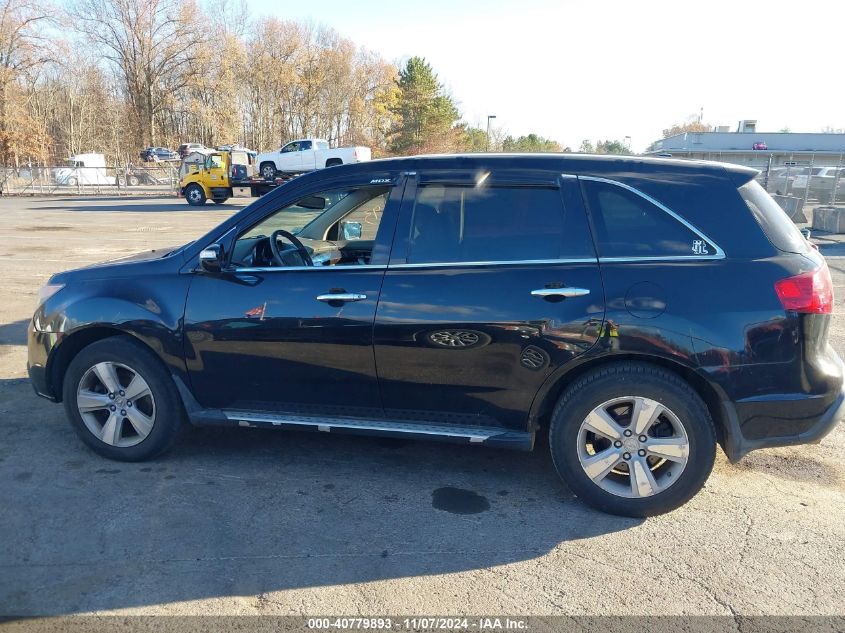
pixel 114 76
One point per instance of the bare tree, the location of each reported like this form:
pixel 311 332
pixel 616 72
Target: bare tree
pixel 23 49
pixel 152 44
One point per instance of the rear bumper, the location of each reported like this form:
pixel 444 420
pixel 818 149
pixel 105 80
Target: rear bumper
pixel 809 428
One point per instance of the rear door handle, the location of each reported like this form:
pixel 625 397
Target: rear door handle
pixel 342 297
pixel 560 292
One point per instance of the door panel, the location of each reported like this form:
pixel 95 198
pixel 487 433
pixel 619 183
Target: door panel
pixel 215 166
pixel 296 338
pixel 472 345
pixel 262 340
pixel 467 342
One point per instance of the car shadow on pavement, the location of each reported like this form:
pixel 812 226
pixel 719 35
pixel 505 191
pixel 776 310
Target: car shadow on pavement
pixel 14 333
pixel 240 512
pixel 133 205
pixel 140 206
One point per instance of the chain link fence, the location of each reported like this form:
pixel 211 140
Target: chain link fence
pixel 806 186
pixel 812 179
pixel 161 178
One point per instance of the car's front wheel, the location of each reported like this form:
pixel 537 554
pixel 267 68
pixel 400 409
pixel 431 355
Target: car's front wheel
pixel 195 195
pixel 121 401
pixel 632 439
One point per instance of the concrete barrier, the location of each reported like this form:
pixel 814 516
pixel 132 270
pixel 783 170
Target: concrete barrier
pixel 793 206
pixel 830 219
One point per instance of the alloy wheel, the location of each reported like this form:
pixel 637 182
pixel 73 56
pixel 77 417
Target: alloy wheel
pixel 633 447
pixel 116 404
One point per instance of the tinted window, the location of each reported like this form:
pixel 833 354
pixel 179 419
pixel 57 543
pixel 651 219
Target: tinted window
pixel 777 226
pixel 466 224
pixel 304 145
pixel 628 225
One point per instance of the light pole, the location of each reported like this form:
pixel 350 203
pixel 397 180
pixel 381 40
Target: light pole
pixel 490 117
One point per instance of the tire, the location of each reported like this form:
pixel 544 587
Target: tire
pixel 671 483
pixel 333 162
pixel 221 200
pixel 195 195
pixel 133 181
pixel 120 181
pixel 148 426
pixel 268 171
pixel 72 181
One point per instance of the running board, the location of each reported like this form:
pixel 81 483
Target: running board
pixel 488 436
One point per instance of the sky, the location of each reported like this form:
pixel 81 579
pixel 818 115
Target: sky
pixel 574 70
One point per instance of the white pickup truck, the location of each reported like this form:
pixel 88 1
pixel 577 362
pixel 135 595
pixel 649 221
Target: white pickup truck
pixel 307 154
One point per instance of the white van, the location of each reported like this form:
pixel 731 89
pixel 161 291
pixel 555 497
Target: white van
pixel 84 169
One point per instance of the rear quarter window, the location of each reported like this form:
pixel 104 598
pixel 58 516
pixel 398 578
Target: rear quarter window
pixel 777 226
pixel 628 225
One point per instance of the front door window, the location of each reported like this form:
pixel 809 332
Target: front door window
pixel 331 228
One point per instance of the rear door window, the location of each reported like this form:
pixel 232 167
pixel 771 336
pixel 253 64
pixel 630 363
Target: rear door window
pixel 777 226
pixel 628 225
pixel 452 224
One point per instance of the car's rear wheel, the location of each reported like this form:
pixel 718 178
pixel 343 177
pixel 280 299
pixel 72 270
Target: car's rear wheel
pixel 133 181
pixel 632 439
pixel 121 401
pixel 195 195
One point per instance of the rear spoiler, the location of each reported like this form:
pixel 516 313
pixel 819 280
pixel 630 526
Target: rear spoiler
pixel 740 175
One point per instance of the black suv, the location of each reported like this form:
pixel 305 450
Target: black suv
pixel 638 311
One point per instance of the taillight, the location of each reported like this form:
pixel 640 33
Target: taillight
pixel 810 292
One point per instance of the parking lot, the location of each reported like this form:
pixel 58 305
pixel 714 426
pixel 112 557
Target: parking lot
pixel 261 522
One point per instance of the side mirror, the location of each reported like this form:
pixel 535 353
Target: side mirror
pixel 211 258
pixel 350 230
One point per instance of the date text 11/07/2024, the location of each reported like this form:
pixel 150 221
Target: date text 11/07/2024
pixel 419 624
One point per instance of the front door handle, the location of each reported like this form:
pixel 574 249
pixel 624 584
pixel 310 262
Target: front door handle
pixel 560 292
pixel 341 297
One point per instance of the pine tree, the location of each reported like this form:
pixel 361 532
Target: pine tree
pixel 426 115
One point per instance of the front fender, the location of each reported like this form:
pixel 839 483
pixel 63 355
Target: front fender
pixel 149 310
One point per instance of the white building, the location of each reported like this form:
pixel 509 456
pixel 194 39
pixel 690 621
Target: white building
pixel 739 147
